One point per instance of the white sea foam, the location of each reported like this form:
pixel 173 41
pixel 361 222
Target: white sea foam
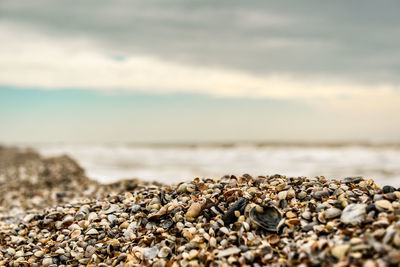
pixel 107 163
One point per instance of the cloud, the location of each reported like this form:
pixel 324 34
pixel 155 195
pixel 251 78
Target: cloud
pixel 33 59
pixel 318 38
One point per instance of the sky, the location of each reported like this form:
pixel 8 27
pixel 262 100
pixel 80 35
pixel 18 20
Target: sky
pixel 199 71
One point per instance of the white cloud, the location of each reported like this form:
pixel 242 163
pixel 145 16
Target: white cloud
pixel 32 59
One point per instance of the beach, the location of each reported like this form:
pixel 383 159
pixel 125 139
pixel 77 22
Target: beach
pixel 53 214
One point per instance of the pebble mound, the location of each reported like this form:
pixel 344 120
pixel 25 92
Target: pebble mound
pixel 216 222
pixel 30 182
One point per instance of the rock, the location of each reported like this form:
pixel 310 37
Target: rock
pixel 182 188
pixel 353 214
pixel 11 252
pixel 228 252
pixel 339 251
pixel 224 230
pixel 92 232
pixel 47 262
pixel 249 256
pixel 332 213
pixel 282 195
pixel 60 251
pixel 135 208
pixel 388 189
pixel 291 215
pixel 38 254
pixel 384 205
pixel 321 194
pixel 194 210
pixel 112 209
pixel 68 220
pixel 349 180
pixel 302 195
pixel 370 208
pixel 370 263
pixel 150 253
pixel 306 215
pixel 89 251
pixel 164 252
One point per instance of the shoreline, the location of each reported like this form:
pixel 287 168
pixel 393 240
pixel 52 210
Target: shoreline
pixel 53 215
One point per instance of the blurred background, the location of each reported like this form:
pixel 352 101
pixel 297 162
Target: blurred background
pixel 170 90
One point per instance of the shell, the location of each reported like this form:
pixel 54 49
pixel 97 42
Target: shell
pixel 268 218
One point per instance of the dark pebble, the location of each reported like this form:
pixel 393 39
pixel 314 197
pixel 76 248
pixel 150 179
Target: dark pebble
pixel 370 207
pixel 243 248
pixel 388 189
pixel 320 194
pixel 349 180
pixel 308 227
pixel 230 217
pixel 167 224
pixel 337 204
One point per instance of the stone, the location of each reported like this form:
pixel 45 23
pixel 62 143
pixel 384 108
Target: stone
pixel 384 205
pixel 282 195
pixel 150 253
pixel 388 189
pixel 182 188
pixel 321 194
pixel 302 195
pixel 332 213
pixel 194 210
pixel 113 209
pixel 67 220
pixel 349 180
pixel 92 232
pixel 340 251
pixel 47 262
pixel 353 214
pixel 228 252
pixel 249 256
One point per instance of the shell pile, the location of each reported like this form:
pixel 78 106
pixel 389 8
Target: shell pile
pixel 254 221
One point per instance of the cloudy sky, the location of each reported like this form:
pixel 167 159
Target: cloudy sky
pixel 182 71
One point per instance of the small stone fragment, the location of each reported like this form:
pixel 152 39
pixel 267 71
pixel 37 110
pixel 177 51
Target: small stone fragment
pixel 228 252
pixel 339 251
pixel 332 213
pixel 194 210
pixel 353 214
pixel 384 205
pixel 354 180
pixel 150 253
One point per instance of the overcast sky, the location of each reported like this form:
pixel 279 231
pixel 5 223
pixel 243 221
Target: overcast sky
pixel 308 70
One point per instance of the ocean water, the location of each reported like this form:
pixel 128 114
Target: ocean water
pixel 173 164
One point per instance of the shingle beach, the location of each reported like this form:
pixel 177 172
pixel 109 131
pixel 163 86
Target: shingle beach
pixel 51 214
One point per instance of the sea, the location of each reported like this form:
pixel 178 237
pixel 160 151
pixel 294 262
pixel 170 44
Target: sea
pixel 174 163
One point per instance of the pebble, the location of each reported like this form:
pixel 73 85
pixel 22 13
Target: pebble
pixel 384 205
pixel 228 252
pixel 282 195
pixel 321 194
pixel 47 262
pixel 354 180
pixel 332 213
pixel 194 210
pixel 150 253
pixel 353 214
pixel 339 251
pixel 92 232
pixel 388 189
pixel 302 195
